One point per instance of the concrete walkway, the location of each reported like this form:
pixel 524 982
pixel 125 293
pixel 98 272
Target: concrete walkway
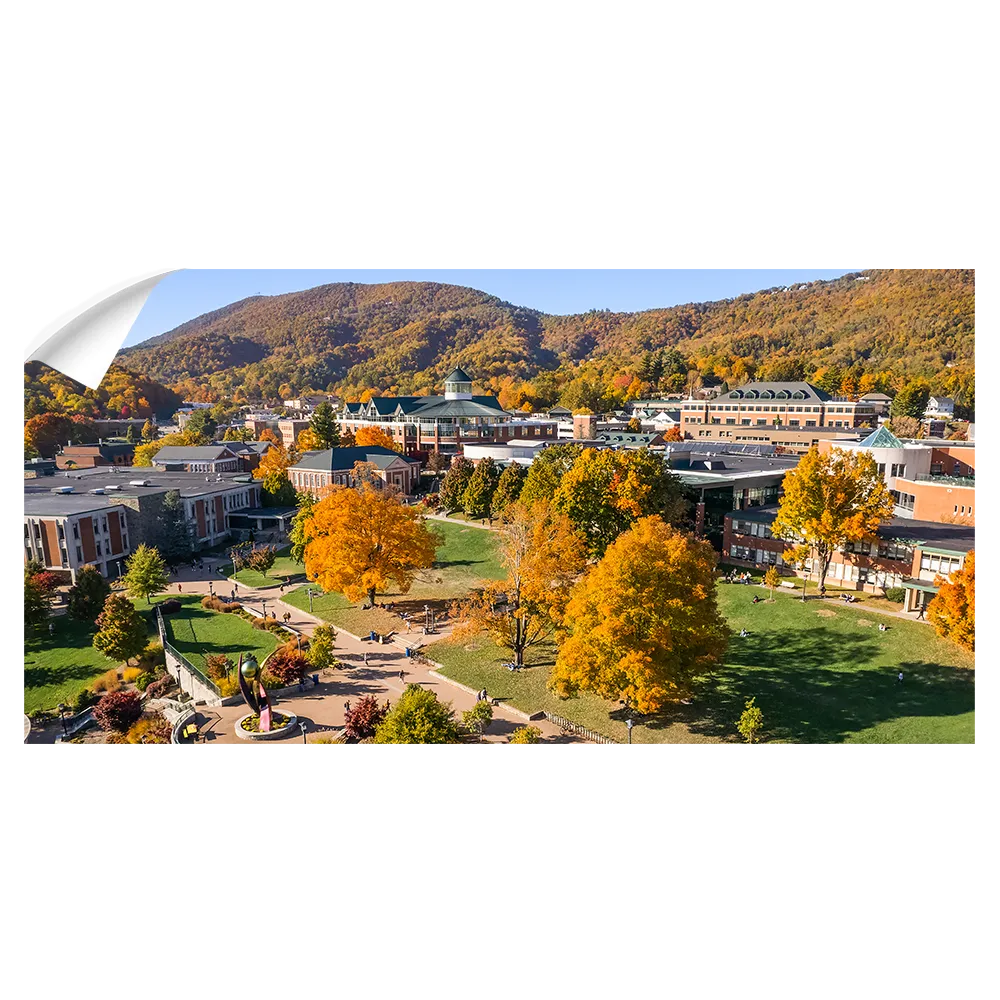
pixel 322 707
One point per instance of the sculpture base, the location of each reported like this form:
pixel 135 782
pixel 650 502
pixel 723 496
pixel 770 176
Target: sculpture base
pixel 283 725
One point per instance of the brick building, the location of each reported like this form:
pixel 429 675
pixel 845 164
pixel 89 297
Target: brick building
pixel 908 553
pixel 89 456
pixel 75 523
pixel 790 415
pixel 320 470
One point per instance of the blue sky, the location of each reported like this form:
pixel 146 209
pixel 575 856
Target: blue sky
pixel 187 294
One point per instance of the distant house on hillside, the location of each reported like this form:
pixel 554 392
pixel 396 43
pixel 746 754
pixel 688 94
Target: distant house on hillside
pixel 940 408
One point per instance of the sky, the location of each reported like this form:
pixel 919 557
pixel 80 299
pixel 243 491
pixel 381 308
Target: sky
pixel 186 294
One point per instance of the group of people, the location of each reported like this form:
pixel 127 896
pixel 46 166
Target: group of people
pixel 734 577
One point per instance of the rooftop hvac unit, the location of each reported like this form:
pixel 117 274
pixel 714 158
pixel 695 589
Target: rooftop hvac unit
pixel 98 491
pixel 63 489
pixel 138 482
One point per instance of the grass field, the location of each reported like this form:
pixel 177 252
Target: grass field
pixel 284 566
pixel 199 633
pixel 465 558
pixel 820 674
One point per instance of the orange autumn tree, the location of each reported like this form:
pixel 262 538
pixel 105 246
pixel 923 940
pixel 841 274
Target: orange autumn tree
pixel 673 434
pixel 952 612
pixel 644 621
pixel 358 539
pixel 273 475
pixel 830 500
pixel 369 437
pixel 308 440
pixel 542 555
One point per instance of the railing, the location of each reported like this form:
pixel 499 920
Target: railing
pixel 946 480
pixel 575 727
pixel 181 658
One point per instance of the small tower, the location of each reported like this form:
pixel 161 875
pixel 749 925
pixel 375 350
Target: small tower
pixel 458 385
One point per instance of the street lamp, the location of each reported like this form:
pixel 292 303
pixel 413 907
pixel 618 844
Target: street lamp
pixel 263 604
pixel 628 725
pixel 62 710
pixel 303 726
pixel 309 594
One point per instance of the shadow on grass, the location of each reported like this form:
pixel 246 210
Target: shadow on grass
pixel 807 698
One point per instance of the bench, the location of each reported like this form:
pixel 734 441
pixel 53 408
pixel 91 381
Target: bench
pixel 189 731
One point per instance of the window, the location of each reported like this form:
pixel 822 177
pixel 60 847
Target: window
pixel 881 469
pixel 79 555
pixel 898 470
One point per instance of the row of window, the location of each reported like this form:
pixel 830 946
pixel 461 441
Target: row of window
pixel 963 510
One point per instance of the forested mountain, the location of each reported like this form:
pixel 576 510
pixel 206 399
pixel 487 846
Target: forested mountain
pixel 874 329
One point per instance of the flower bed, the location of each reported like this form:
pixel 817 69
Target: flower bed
pixel 282 725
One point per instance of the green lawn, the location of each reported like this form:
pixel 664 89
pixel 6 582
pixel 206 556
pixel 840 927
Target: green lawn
pixel 818 678
pixel 466 558
pixel 198 633
pixel 284 566
pixel 58 667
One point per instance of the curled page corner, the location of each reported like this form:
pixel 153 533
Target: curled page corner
pixel 82 343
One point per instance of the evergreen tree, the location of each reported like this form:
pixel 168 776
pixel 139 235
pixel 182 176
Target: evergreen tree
pixel 130 434
pixel 172 534
pixel 508 488
pixel 297 532
pixel 121 631
pixel 324 426
pixel 477 499
pixel 201 422
pixel 454 484
pixel 147 573
pixel 88 594
pixel 911 400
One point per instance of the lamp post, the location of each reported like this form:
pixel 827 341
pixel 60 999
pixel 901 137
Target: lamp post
pixel 309 594
pixel 303 726
pixel 263 605
pixel 628 725
pixel 62 719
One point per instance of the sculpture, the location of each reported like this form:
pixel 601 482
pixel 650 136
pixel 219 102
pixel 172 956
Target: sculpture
pixel 253 691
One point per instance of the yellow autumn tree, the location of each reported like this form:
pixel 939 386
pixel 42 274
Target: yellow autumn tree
pixel 273 475
pixel 358 539
pixel 308 440
pixel 644 621
pixel 952 612
pixel 543 555
pixel 145 453
pixel 368 437
pixel 830 500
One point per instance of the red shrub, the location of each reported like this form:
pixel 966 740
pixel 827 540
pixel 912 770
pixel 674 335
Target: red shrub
pixel 117 710
pixel 287 664
pixel 364 718
pixel 46 581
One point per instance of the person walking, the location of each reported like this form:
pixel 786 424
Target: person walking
pixel 920 614
pixel 899 680
pixel 366 657
pixel 402 675
pixel 180 588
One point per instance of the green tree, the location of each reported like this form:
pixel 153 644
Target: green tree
pixel 173 537
pixel 911 400
pixel 201 422
pixel 147 573
pixel 243 434
pixel 508 489
pixel 130 434
pixel 321 645
pixel 261 558
pixel 455 482
pixel 324 425
pixel 418 717
pixel 297 532
pixel 606 491
pixel 37 601
pixel 547 470
pixel 88 594
pixel 751 722
pixel 121 630
pixel 477 500
pixel 478 718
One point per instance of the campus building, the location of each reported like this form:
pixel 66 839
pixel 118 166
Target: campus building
pixel 75 523
pixel 908 553
pixel 320 470
pixel 792 416
pixel 89 456
pixel 929 480
pixel 422 424
pixel 213 458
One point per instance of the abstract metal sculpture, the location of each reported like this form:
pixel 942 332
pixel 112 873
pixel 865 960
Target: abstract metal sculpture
pixel 253 691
